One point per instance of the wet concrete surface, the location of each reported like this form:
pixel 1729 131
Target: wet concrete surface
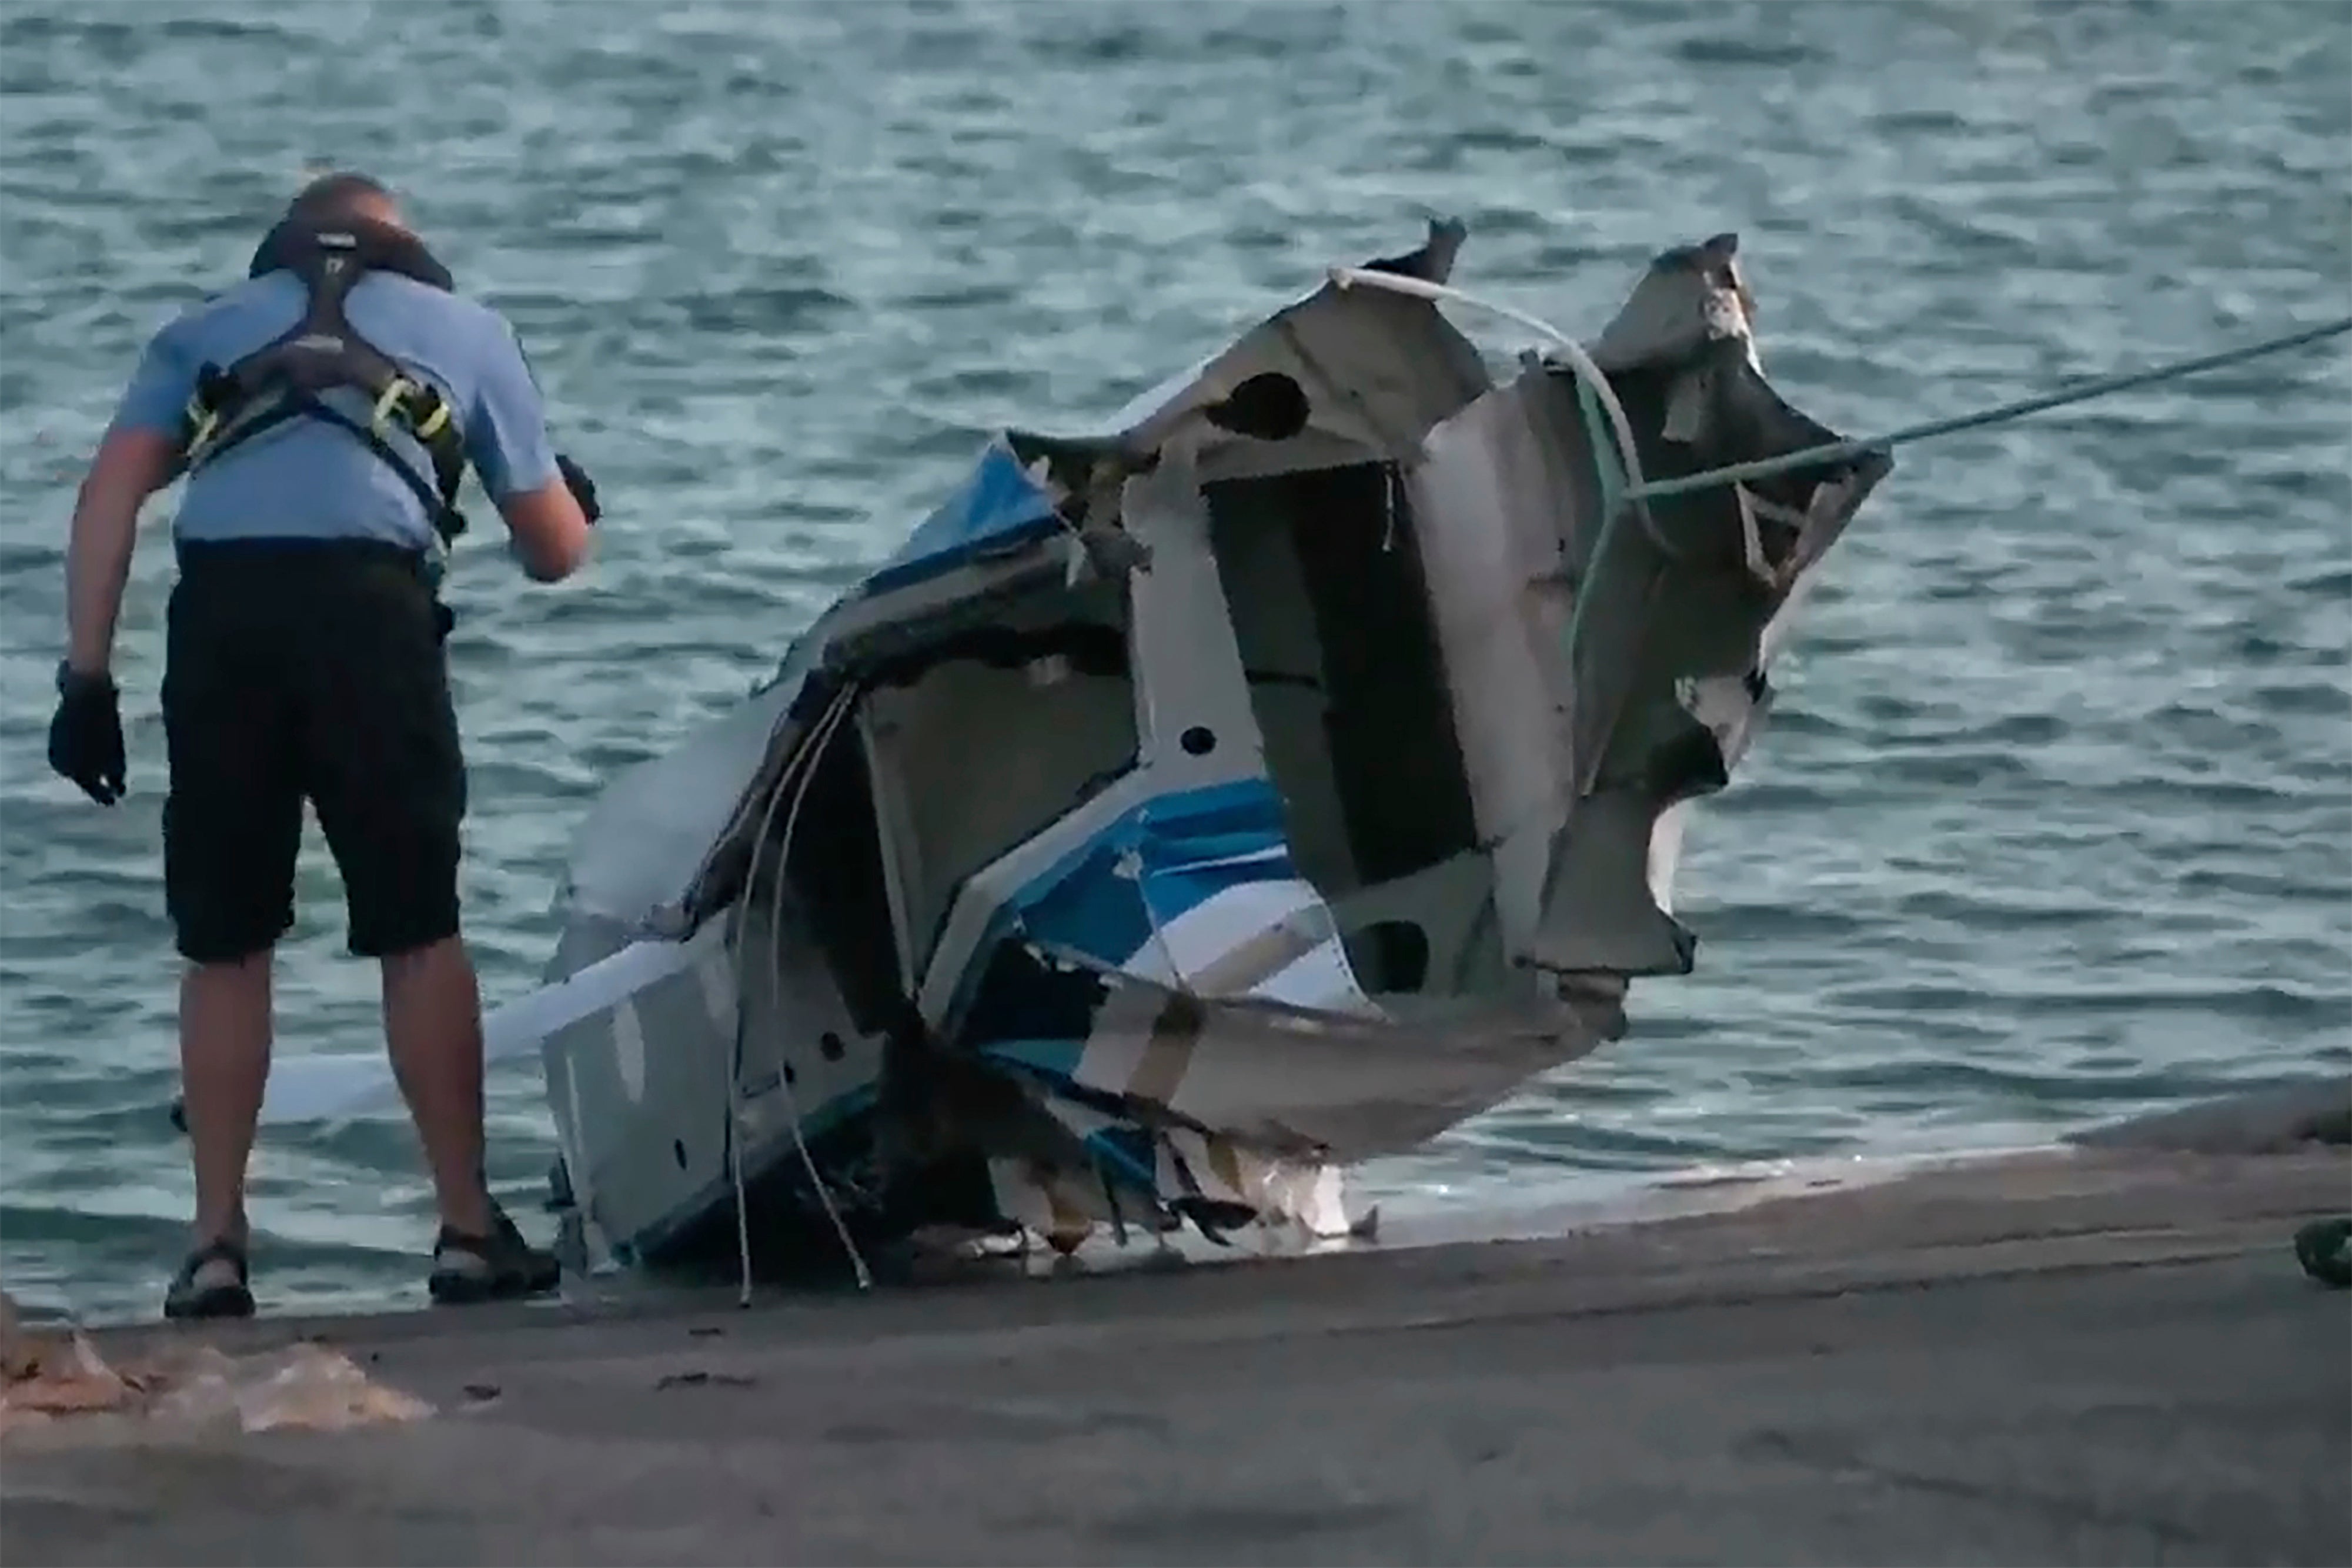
pixel 2104 1354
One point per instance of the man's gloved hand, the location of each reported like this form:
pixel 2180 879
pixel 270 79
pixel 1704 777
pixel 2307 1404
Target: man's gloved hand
pixel 582 488
pixel 85 735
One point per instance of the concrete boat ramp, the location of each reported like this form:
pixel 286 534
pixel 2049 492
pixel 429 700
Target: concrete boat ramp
pixel 2107 1354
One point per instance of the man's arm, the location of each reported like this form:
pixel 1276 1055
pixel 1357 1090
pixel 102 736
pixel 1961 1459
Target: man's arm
pixel 139 454
pixel 505 436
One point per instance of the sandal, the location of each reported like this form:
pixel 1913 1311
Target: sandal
pixel 502 1266
pixel 213 1282
pixel 2324 1247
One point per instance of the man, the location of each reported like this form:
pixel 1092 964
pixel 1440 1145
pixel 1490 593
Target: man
pixel 303 661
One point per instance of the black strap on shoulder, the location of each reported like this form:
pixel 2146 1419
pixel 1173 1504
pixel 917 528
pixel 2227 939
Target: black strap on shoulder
pixel 380 247
pixel 290 377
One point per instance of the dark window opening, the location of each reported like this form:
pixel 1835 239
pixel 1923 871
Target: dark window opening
pixel 836 872
pixel 1323 575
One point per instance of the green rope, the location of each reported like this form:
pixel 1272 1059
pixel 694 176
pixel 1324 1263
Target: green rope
pixel 1842 451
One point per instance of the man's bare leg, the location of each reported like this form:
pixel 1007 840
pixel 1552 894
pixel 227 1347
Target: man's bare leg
pixel 433 1023
pixel 224 1035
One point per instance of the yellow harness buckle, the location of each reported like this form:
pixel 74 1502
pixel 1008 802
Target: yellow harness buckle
pixel 394 391
pixel 204 424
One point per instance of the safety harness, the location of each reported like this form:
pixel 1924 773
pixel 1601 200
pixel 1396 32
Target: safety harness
pixel 288 377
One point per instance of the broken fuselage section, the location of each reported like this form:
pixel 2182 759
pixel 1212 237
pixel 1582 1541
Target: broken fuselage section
pixel 1268 781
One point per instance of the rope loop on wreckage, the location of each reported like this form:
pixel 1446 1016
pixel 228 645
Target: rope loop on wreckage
pixel 1638 490
pixel 1628 490
pixel 2000 414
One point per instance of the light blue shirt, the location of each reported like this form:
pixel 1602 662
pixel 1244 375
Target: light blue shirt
pixel 308 478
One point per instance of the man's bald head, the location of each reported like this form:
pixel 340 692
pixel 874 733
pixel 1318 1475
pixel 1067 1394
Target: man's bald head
pixel 343 197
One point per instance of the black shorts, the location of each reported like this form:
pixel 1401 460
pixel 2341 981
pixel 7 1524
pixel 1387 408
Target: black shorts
pixel 308 670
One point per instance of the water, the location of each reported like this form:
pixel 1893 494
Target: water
pixel 2054 819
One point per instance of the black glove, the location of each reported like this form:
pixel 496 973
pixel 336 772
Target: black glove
pixel 582 488
pixel 85 735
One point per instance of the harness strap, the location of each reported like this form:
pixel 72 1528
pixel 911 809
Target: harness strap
pixel 288 377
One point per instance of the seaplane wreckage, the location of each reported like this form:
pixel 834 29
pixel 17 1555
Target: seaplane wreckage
pixel 1266 781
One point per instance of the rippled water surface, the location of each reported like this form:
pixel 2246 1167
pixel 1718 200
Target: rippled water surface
pixel 2053 819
